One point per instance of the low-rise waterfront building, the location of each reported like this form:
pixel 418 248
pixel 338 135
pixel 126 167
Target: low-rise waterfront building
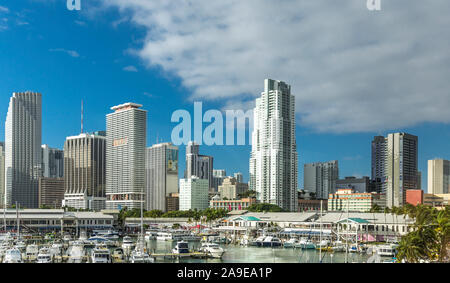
pixel 312 204
pixel 56 219
pixel 348 199
pixel 231 204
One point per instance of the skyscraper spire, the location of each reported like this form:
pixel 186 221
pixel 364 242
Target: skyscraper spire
pixel 82 114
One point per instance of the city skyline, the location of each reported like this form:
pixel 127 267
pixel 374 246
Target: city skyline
pixel 102 79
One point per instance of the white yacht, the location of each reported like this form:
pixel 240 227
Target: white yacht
pixel 338 246
pixel 13 256
pixel 56 249
pixel 128 244
pixel 44 256
pixel 118 255
pixel 31 252
pixel 150 235
pixel 191 237
pixel 109 234
pixel 271 241
pixel 258 242
pixel 386 250
pixel 168 236
pixel 21 246
pixel 181 249
pixel 139 255
pixel 67 238
pixel 101 254
pixel 212 249
pixel 306 244
pixel 76 253
pixel 291 243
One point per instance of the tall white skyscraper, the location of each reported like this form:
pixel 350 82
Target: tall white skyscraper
pixel 438 176
pixel 126 132
pixel 161 175
pixel 2 174
pixel 23 130
pixel 273 160
pixel 321 178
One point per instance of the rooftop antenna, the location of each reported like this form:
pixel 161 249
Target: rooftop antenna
pixel 82 116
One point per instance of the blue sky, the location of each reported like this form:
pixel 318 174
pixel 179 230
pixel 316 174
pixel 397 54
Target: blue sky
pixel 117 51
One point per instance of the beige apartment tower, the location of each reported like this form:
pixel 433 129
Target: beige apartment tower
pixel 438 176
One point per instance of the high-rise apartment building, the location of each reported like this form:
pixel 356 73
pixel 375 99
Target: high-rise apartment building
pixel 273 159
pixel 161 175
pixel 198 165
pixel 218 177
pixel 194 193
pixel 394 164
pixel 23 136
pixel 85 171
pixel 52 162
pixel 239 177
pixel 321 178
pixel 232 189
pixel 126 132
pixel 438 176
pixel 2 174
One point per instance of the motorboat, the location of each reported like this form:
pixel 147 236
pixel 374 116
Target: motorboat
pixel 324 245
pixel 386 250
pixel 95 240
pixel 109 234
pixel 101 254
pixel 212 249
pixel 128 244
pixel 168 236
pixel 150 235
pixel 76 253
pixel 44 256
pixel 258 242
pixel 271 241
pixel 21 246
pixel 140 255
pixel 306 244
pixel 31 252
pixel 13 256
pixel 67 238
pixel 181 249
pixel 291 243
pixel 338 246
pixel 191 237
pixel 118 255
pixel 244 241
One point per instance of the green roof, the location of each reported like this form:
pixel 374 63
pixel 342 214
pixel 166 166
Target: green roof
pixel 248 218
pixel 357 220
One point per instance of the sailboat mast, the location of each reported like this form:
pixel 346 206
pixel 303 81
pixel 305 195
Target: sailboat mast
pixel 320 237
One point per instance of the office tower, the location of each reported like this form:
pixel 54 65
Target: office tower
pixel 85 171
pixel 400 168
pixel 438 176
pixel 273 159
pixel 218 177
pixel 161 175
pixel 194 193
pixel 52 162
pixel 51 192
pixel 198 165
pixel 359 185
pixel 173 202
pixel 126 132
pixel 23 130
pixel 239 177
pixel 321 178
pixel 2 174
pixel 419 180
pixel 378 158
pixel 232 189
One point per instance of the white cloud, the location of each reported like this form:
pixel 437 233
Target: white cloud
pixel 130 69
pixel 71 53
pixel 351 70
pixel 4 9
